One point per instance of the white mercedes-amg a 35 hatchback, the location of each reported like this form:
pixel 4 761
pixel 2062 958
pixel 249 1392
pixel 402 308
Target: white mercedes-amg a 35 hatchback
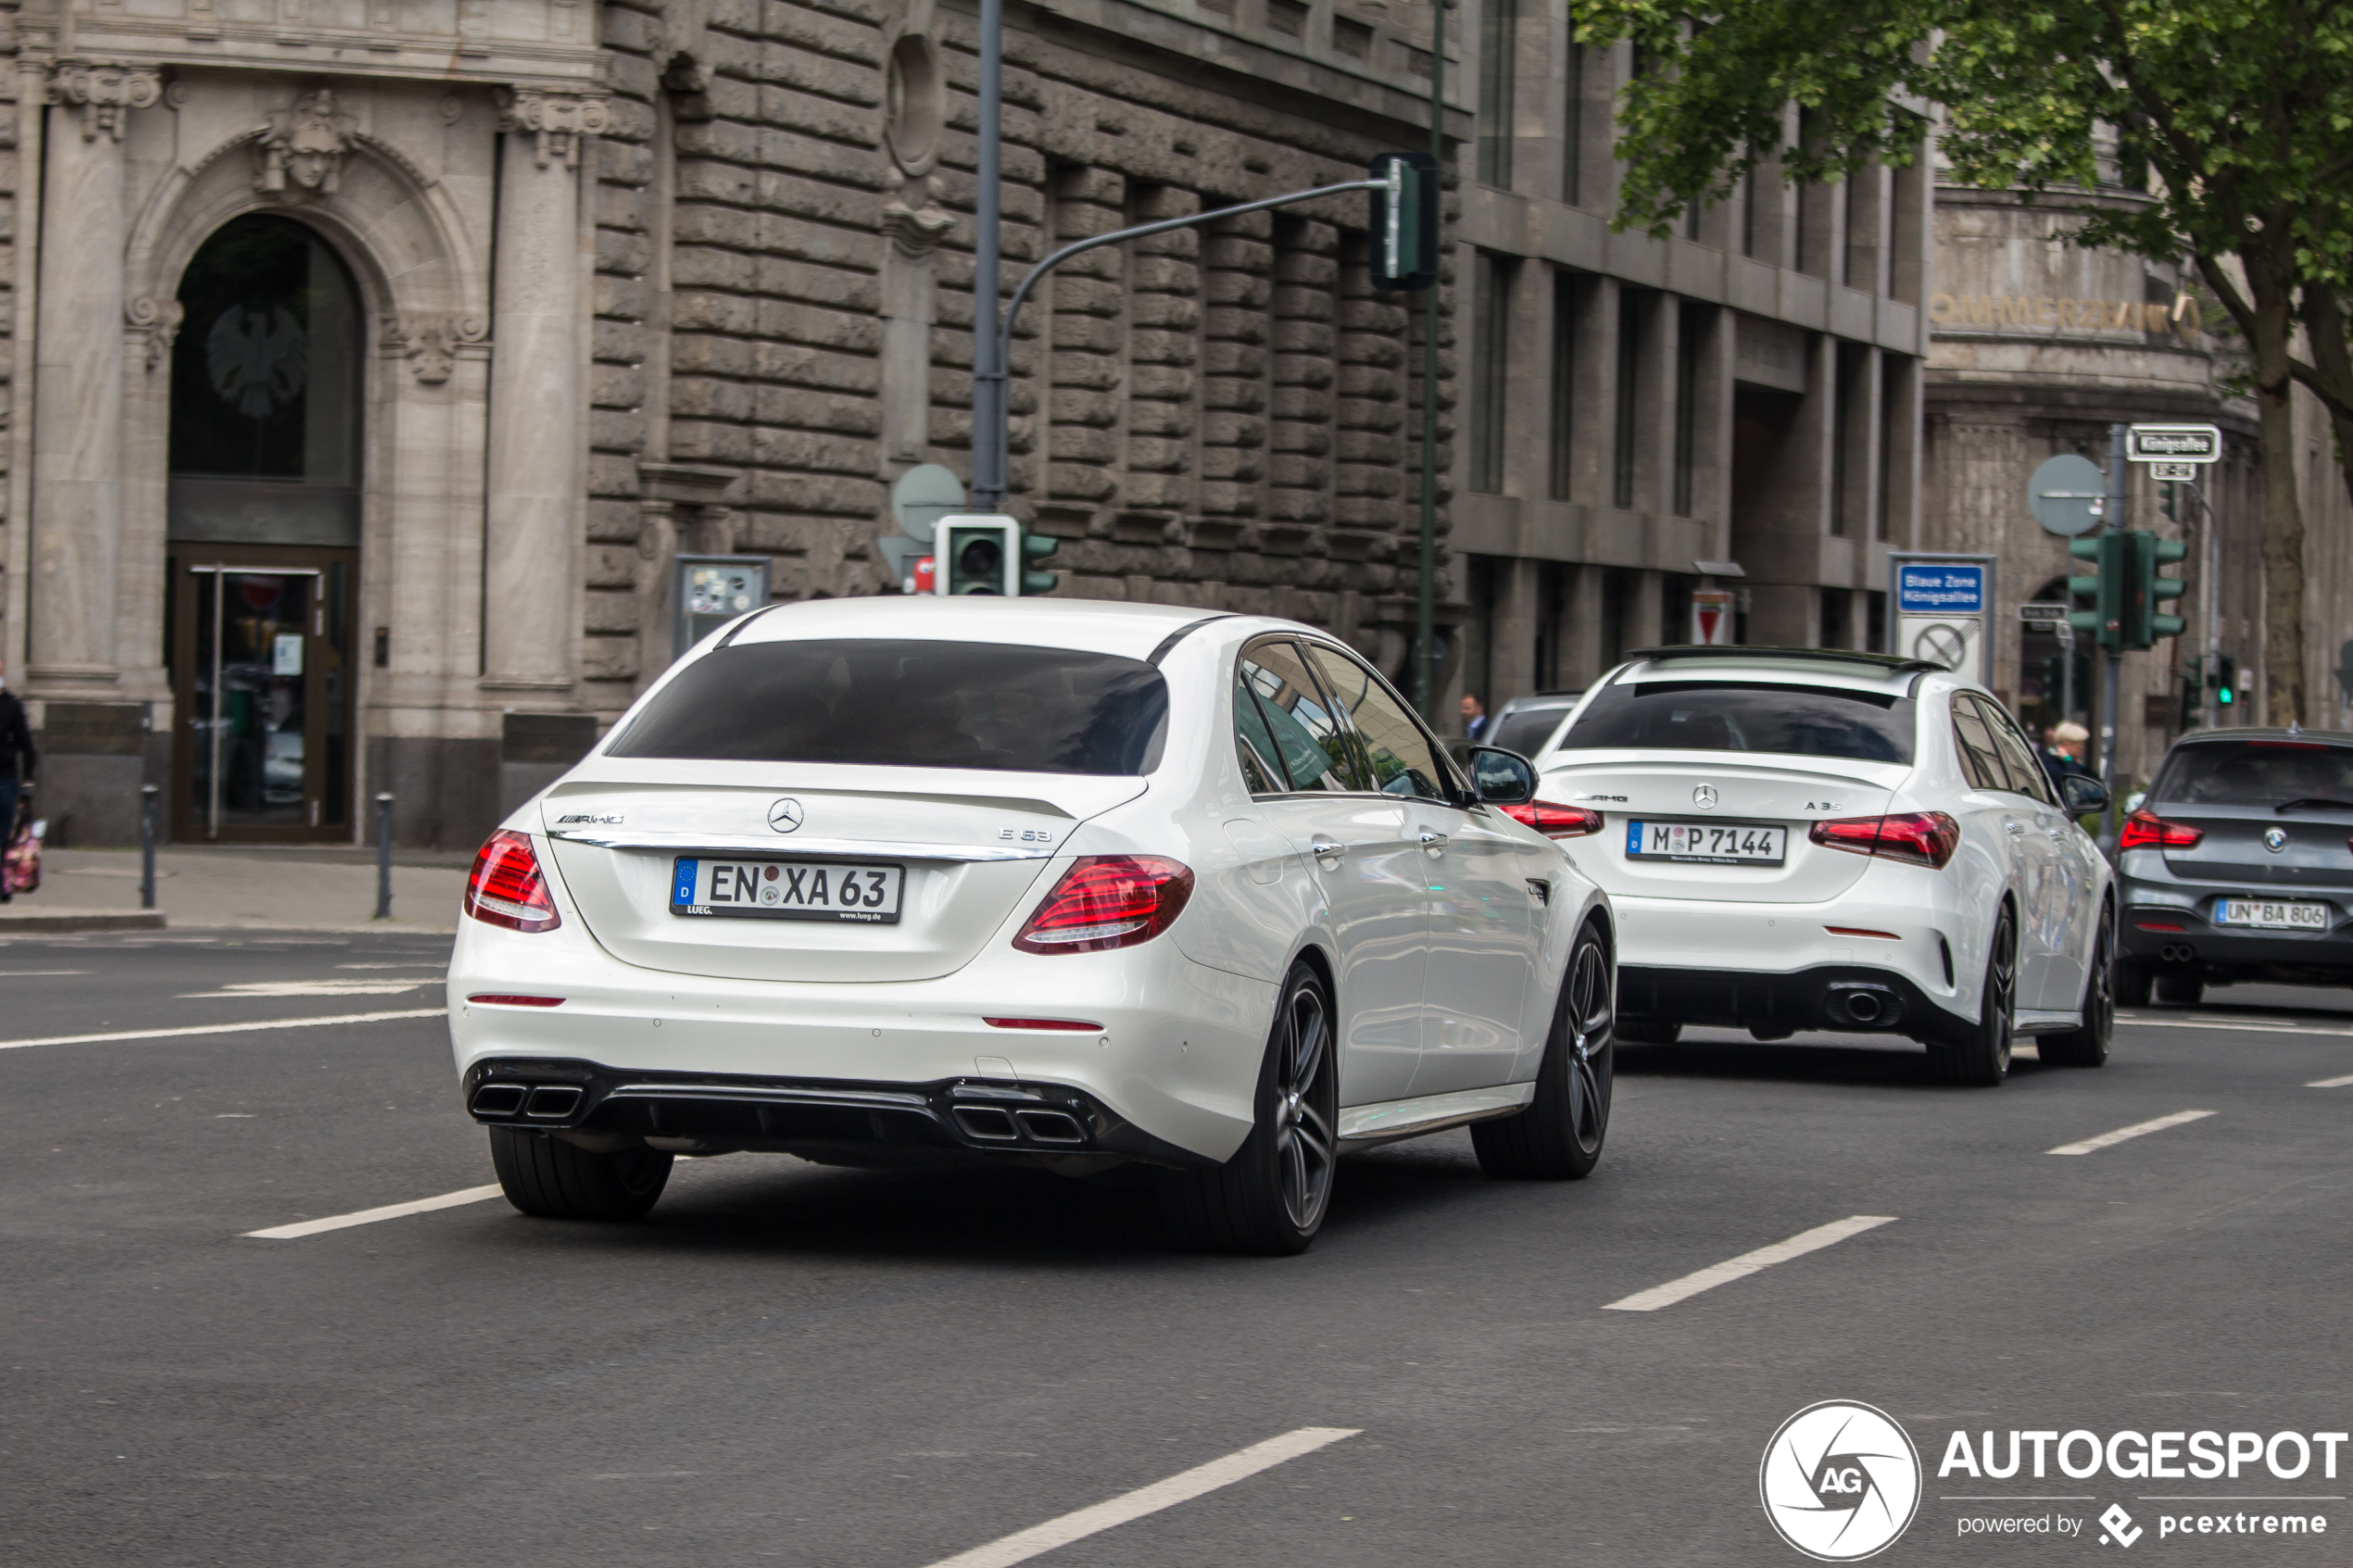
pixel 1811 840
pixel 906 880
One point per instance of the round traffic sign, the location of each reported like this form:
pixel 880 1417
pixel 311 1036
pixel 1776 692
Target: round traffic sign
pixel 1940 644
pixel 922 495
pixel 2067 494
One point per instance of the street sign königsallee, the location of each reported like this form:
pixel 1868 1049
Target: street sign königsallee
pixel 2173 444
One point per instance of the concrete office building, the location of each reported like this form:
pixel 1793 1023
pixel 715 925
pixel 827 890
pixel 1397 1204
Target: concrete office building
pixel 1737 405
pixel 379 371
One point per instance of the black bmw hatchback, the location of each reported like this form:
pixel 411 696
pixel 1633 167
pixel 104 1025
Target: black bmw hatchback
pixel 2239 866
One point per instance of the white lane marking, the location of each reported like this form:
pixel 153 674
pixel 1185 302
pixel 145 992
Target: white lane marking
pixel 36 974
pixel 1183 1486
pixel 2138 1129
pixel 2245 1025
pixel 2331 1082
pixel 369 1216
pixel 346 985
pixel 1747 1263
pixel 221 1028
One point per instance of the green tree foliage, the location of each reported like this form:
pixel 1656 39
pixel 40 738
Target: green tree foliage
pixel 2241 111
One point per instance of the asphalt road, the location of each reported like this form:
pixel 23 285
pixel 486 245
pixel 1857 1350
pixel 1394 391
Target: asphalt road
pixel 882 1370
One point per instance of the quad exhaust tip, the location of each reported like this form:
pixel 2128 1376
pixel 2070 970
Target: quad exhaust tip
pixel 990 1123
pixel 547 1102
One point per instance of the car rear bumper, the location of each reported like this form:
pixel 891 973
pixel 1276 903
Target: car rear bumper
pixel 830 1120
pixel 1851 998
pixel 2178 934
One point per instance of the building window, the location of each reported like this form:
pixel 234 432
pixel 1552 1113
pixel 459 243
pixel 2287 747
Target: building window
pixel 1748 213
pixel 1480 573
pixel 1553 660
pixel 1498 37
pixel 1617 590
pixel 1835 603
pixel 1675 589
pixel 1890 395
pixel 1564 389
pixel 1630 364
pixel 1692 321
pixel 1573 128
pixel 1842 411
pixel 1491 347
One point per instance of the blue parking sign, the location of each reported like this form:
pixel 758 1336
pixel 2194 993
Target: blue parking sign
pixel 1940 588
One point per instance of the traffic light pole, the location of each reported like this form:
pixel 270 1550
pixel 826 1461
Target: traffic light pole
pixel 2111 673
pixel 1426 589
pixel 988 349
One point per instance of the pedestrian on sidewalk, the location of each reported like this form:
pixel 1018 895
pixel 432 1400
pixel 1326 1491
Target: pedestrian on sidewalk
pixel 16 762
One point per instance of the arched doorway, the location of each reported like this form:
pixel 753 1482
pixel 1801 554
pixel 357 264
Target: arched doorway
pixel 264 530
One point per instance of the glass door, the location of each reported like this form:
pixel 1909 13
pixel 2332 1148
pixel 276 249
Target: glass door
pixel 261 668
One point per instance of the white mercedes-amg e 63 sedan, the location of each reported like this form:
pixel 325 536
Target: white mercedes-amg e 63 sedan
pixel 1812 839
pixel 1081 884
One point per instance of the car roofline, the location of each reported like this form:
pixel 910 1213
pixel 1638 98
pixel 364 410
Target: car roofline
pixel 1888 663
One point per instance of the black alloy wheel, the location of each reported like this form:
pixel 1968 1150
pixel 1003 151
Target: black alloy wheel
pixel 1559 1136
pixel 2087 1046
pixel 550 1179
pixel 1272 1196
pixel 1983 1061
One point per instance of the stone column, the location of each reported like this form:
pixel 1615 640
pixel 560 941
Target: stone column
pixel 532 546
pixel 78 458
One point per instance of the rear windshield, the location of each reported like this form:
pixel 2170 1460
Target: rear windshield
pixel 2258 773
pixel 1722 716
pixel 1524 731
pixel 897 703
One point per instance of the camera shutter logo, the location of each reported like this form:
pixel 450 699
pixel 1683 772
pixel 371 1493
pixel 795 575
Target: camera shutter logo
pixel 785 815
pixel 1840 1481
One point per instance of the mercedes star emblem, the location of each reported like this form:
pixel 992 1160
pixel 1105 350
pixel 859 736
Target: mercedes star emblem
pixel 1705 798
pixel 2275 839
pixel 785 815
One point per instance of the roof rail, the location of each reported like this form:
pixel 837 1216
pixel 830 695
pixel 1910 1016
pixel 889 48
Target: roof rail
pixel 1886 661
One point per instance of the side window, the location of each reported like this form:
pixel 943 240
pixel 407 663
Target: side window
pixel 1980 763
pixel 1254 742
pixel 2027 776
pixel 1301 734
pixel 1402 759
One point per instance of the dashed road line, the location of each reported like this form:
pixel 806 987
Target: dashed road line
pixel 2137 1130
pixel 1747 1263
pixel 369 1216
pixel 1183 1486
pixel 2243 1025
pixel 2345 1082
pixel 221 1028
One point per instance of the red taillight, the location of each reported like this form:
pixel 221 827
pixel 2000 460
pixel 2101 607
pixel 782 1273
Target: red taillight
pixel 506 888
pixel 1923 838
pixel 1554 821
pixel 2145 830
pixel 500 999
pixel 1073 1025
pixel 1108 901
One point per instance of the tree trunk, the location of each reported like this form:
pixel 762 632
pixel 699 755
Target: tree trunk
pixel 2324 327
pixel 2273 339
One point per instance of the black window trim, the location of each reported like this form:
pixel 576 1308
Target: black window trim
pixel 1346 730
pixel 1445 764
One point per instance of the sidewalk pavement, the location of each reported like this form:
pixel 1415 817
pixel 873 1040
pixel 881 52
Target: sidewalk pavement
pixel 248 887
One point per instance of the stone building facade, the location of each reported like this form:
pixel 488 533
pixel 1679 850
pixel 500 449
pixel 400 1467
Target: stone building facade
pixel 374 367
pixel 2037 345
pixel 1735 407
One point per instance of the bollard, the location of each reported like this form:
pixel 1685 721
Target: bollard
pixel 384 857
pixel 147 846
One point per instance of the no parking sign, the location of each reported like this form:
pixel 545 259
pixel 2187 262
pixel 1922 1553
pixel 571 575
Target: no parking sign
pixel 1942 602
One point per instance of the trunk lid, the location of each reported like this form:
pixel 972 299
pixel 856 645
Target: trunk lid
pixel 2314 851
pixel 1789 792
pixel 972 847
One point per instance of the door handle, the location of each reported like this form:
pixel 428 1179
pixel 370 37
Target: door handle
pixel 1433 842
pixel 1325 850
pixel 2014 829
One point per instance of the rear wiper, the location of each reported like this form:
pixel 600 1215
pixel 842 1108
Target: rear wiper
pixel 2317 802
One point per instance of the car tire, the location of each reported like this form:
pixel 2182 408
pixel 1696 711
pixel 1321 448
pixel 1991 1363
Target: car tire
pixel 2132 983
pixel 1648 1030
pixel 1983 1061
pixel 550 1179
pixel 2087 1046
pixel 1271 1197
pixel 2179 990
pixel 1559 1137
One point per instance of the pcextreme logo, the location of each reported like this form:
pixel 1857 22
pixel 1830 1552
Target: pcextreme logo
pixel 1840 1481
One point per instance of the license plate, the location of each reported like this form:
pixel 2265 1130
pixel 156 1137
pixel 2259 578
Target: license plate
pixel 787 890
pixel 1714 844
pixel 2273 916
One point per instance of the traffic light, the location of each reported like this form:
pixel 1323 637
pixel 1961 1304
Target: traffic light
pixel 977 555
pixel 2105 619
pixel 2151 553
pixel 2224 676
pixel 1404 221
pixel 1036 548
pixel 2165 500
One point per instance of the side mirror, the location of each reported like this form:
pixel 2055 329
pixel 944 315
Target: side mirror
pixel 2083 794
pixel 1500 777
